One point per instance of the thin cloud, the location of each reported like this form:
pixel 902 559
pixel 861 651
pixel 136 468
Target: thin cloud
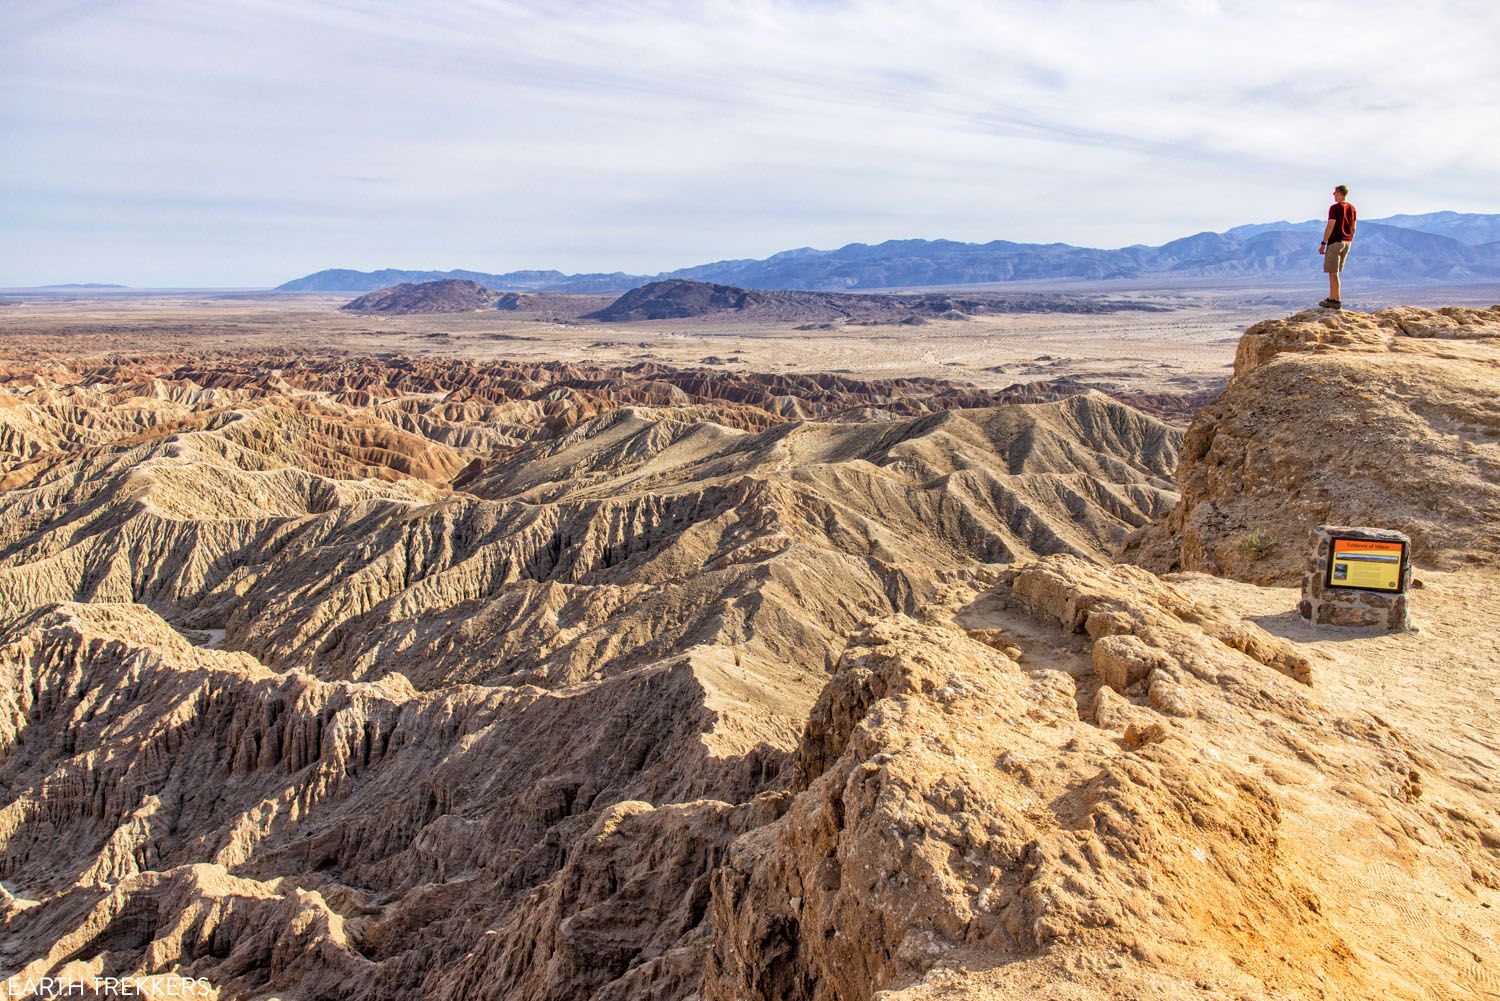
pixel 585 136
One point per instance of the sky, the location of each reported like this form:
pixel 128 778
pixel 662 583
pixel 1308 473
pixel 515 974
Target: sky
pixel 241 143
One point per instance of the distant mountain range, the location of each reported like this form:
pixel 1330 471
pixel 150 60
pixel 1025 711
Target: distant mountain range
pixel 1438 246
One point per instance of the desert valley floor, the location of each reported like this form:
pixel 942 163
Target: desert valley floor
pixel 348 656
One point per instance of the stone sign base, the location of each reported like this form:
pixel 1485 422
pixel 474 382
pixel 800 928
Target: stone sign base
pixel 1337 606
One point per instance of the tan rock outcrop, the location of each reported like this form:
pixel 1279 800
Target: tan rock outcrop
pixel 1386 419
pixel 959 830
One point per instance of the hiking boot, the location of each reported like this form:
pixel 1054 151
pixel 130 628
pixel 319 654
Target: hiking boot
pixel 1331 304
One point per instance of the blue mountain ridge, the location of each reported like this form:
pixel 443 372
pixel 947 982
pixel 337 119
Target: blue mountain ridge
pixel 1439 246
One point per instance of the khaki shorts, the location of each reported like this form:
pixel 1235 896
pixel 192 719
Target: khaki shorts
pixel 1333 257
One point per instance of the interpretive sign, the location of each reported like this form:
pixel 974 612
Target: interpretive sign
pixel 1366 565
pixel 1357 576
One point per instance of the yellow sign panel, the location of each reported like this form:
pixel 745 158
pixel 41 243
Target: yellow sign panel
pixel 1366 564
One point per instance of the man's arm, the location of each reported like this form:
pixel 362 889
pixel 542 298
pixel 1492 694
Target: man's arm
pixel 1327 232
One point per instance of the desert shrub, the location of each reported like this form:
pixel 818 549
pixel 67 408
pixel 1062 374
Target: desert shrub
pixel 1254 545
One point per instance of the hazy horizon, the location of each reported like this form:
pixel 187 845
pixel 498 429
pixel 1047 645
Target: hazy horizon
pixel 162 143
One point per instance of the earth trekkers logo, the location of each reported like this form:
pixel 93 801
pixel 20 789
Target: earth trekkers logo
pixel 169 986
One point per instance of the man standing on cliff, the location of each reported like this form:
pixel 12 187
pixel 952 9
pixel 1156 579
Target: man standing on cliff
pixel 1337 236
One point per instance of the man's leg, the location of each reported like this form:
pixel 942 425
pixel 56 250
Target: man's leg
pixel 1331 268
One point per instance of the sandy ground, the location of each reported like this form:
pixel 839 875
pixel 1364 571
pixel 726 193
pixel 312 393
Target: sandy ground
pixel 1408 914
pixel 1436 690
pixel 1188 348
pixel 1437 684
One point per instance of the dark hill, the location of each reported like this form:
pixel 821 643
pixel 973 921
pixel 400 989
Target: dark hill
pixel 676 299
pixel 679 298
pixel 447 296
